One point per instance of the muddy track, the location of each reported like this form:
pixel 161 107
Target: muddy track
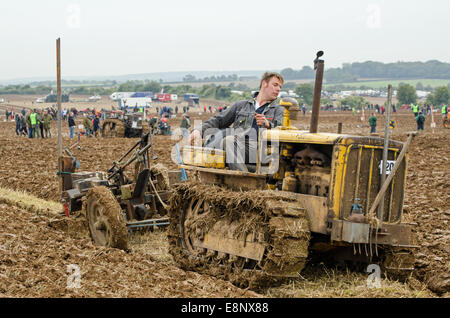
pixel 264 218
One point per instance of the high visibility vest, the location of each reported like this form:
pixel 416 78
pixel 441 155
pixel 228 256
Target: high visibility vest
pixel 33 118
pixel 444 109
pixel 415 108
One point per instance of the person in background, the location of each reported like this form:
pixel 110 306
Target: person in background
pixel 47 120
pixel 185 125
pixel 23 126
pixel 41 122
pixel 153 121
pixel 444 111
pixel 29 126
pixel 415 110
pixel 71 122
pixel 17 120
pixel 373 123
pixel 34 124
pixel 96 125
pixel 87 123
pixel 420 119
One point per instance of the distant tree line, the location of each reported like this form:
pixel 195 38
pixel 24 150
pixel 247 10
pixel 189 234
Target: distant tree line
pixel 219 78
pixel 25 89
pixel 351 72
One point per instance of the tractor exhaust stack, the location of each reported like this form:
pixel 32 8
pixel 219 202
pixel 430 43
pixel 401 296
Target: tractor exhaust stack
pixel 318 66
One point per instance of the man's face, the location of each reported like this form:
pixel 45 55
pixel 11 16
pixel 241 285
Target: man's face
pixel 272 88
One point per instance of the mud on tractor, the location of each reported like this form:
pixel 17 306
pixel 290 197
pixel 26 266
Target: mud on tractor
pixel 129 125
pixel 114 202
pixel 317 197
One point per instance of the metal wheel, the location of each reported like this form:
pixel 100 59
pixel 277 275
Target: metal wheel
pixel 446 123
pixel 191 234
pixel 106 221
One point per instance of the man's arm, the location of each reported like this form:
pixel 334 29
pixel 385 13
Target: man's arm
pixel 223 119
pixel 220 121
pixel 277 118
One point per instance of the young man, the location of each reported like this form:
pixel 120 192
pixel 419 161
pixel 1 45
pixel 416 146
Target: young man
pixel 247 116
pixel 373 123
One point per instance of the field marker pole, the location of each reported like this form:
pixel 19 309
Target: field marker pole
pixel 58 101
pixel 385 152
pixel 433 124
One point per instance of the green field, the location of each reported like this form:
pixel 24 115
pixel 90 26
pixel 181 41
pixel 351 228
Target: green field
pixel 384 83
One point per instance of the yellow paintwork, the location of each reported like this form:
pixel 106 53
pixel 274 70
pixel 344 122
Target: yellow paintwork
pixel 204 157
pixel 342 145
pixel 300 136
pixel 286 115
pixel 338 169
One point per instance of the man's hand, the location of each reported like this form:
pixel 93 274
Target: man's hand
pixel 195 138
pixel 261 120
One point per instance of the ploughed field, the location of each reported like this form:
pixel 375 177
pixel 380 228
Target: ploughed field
pixel 37 248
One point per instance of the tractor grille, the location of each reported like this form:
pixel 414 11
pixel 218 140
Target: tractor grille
pixel 362 180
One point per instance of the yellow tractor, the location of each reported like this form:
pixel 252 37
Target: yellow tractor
pixel 317 194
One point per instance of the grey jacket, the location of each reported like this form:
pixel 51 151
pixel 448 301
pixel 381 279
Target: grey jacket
pixel 241 115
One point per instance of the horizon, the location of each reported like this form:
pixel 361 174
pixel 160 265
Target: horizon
pixel 15 81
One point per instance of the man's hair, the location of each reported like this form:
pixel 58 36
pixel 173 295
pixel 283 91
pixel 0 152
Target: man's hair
pixel 268 75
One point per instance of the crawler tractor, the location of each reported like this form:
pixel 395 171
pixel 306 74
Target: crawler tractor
pixel 129 125
pixel 316 194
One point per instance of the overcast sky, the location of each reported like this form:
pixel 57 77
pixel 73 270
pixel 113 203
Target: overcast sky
pixel 115 37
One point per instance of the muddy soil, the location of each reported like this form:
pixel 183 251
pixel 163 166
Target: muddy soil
pixel 38 258
pixel 30 165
